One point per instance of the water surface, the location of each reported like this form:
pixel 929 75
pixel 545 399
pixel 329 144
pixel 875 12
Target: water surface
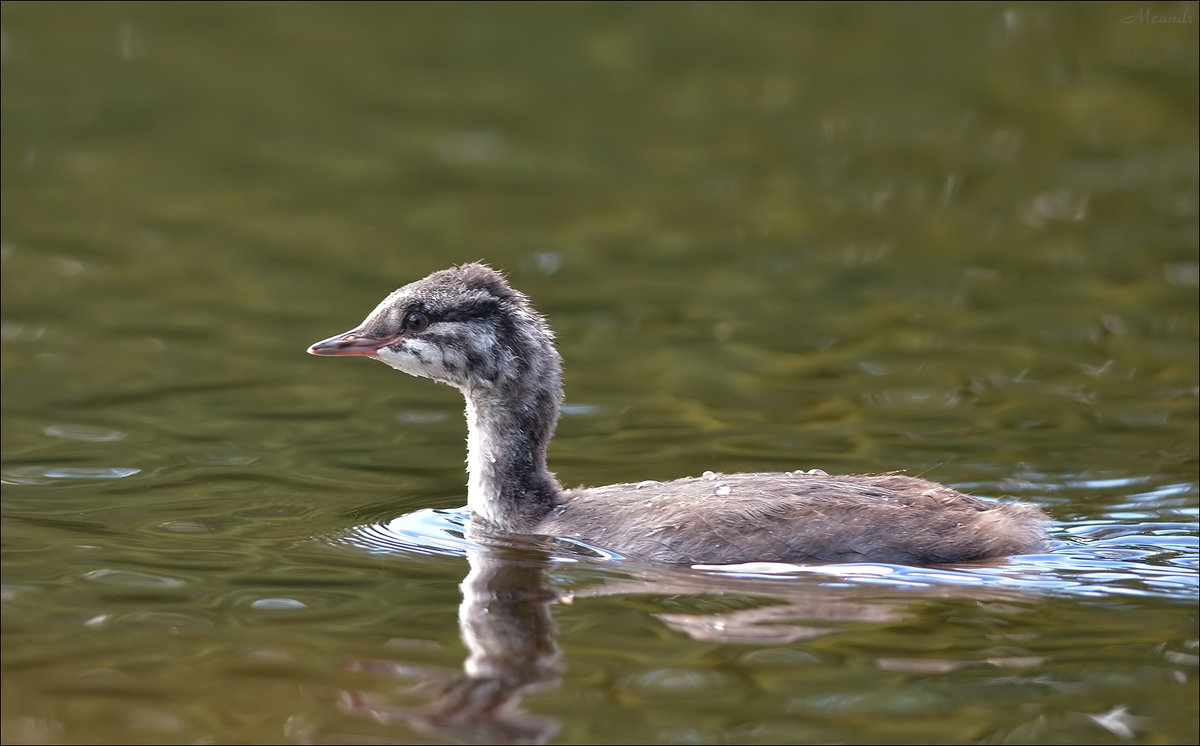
pixel 955 241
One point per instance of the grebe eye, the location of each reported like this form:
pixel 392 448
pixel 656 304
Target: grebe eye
pixel 416 322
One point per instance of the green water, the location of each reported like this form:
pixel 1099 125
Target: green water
pixel 954 240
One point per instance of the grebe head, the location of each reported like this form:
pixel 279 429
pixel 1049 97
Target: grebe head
pixel 462 326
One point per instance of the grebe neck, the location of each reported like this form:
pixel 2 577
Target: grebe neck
pixel 508 433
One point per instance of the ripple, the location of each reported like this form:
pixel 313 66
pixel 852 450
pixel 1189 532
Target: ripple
pixel 1096 559
pixel 83 432
pixel 1133 562
pixel 427 531
pixel 29 475
pixel 1107 483
pixel 435 531
pixel 168 619
pixel 151 618
pixel 223 458
pixel 11 332
pixel 682 683
pixel 131 579
pixel 1030 481
pixel 311 603
pixel 1165 491
pixel 41 475
pixel 750 569
pixel 278 604
pixel 90 472
pixel 580 409
pixel 183 527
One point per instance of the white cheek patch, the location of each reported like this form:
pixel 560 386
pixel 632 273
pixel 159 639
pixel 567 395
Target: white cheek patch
pixel 463 355
pixel 400 356
pixel 427 359
pixel 407 356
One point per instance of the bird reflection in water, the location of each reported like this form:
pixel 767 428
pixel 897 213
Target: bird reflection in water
pixel 506 621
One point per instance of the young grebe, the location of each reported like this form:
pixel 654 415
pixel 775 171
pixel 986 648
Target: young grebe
pixel 466 327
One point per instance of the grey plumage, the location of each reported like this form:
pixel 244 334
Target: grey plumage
pixel 466 327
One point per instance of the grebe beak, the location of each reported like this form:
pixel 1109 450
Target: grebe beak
pixel 353 342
